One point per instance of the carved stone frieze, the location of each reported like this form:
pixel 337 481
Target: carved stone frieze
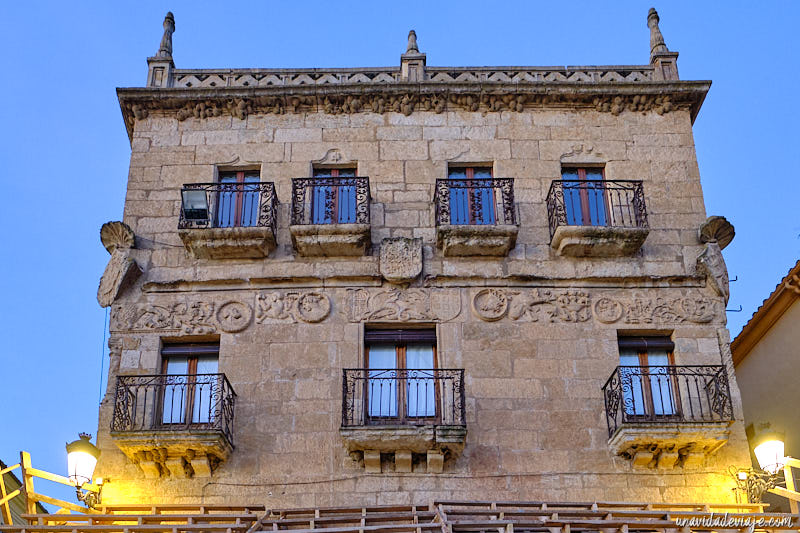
pixel 293 306
pixel 641 310
pixel 573 306
pixel 191 318
pixel 532 305
pixel 121 271
pixel 712 264
pixel 409 305
pixel 401 259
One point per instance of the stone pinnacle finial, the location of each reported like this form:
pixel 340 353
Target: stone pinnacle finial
pixel 657 44
pixel 165 49
pixel 412 43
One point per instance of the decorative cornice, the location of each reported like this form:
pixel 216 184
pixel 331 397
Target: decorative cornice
pixel 406 98
pixel 785 294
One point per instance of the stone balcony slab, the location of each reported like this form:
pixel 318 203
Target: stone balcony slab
pixel 668 445
pixel 330 240
pixel 252 242
pixel 457 240
pixel 179 454
pixel 598 241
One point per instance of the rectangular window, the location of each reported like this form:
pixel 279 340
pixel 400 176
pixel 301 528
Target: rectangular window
pixel 472 198
pixel 648 381
pixel 585 197
pixel 401 384
pixel 334 202
pixel 238 199
pixel 190 383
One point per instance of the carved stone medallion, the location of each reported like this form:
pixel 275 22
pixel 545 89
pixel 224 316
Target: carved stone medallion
pixel 401 259
pixel 313 306
pixel 716 229
pixel 116 235
pixel 490 304
pixel 234 316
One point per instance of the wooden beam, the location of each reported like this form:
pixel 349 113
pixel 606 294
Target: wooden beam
pixel 61 479
pixel 6 497
pixel 27 482
pixel 61 503
pixel 8 469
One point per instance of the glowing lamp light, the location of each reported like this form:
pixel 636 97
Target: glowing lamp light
pixel 81 459
pixel 770 454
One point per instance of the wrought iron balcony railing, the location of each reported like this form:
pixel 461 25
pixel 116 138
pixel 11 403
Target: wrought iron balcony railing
pixel 170 403
pixel 330 200
pixel 487 201
pixel 227 205
pixel 375 397
pixel 610 203
pixel 667 394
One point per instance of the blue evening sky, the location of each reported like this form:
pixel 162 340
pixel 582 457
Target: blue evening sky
pixel 64 153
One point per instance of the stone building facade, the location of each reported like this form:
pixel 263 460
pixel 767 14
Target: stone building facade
pixel 385 285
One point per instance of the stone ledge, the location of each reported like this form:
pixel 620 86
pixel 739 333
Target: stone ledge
pixel 476 240
pixel 330 240
pixel 251 242
pixel 179 454
pixel 598 241
pixel 417 439
pixel 667 445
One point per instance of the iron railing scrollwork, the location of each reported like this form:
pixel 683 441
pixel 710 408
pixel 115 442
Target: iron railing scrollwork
pixel 330 200
pixel 484 201
pixel 232 205
pixel 667 394
pixel 612 203
pixel 170 403
pixel 402 397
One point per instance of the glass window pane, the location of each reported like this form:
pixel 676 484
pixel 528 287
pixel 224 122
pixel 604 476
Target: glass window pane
pixel 632 380
pixel 420 383
pixel 173 402
pixel 382 384
pixel 206 389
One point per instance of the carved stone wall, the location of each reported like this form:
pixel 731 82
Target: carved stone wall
pixel 536 333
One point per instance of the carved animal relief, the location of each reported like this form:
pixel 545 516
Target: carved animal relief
pixel 294 306
pixel 534 305
pixel 410 305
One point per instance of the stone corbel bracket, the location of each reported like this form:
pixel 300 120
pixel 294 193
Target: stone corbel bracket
pixel 121 271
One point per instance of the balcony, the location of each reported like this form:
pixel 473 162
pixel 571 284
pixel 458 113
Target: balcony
pixel 663 416
pixel 403 412
pixel 228 220
pixel 174 425
pixel 597 218
pixel 475 217
pixel 330 216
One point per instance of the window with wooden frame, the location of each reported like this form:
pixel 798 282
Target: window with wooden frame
pixel 190 383
pixel 334 202
pixel 585 196
pixel 472 197
pixel 238 199
pixel 649 383
pixel 401 384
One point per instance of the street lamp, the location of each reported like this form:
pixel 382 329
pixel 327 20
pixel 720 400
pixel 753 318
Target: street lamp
pixel 81 459
pixel 769 450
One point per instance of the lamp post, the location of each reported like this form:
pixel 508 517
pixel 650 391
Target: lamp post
pixel 81 459
pixel 768 448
